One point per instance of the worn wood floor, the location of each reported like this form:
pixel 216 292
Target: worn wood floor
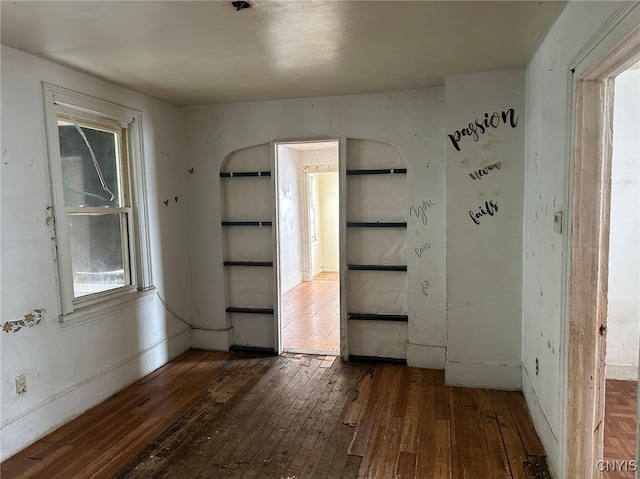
pixel 620 427
pixel 222 415
pixel 311 315
pixel 411 425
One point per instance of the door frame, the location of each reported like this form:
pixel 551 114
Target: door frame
pixel 586 245
pixel 308 170
pixel 277 280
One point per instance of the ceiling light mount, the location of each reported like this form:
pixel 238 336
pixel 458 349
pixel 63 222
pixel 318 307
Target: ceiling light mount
pixel 241 5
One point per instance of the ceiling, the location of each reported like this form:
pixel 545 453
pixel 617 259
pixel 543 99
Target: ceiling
pixel 202 52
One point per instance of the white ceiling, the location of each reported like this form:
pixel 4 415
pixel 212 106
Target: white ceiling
pixel 201 52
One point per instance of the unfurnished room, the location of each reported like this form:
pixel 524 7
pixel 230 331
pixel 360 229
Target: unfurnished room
pixel 319 239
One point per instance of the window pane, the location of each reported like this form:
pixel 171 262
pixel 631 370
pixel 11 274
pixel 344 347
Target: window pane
pixel 98 247
pixel 81 181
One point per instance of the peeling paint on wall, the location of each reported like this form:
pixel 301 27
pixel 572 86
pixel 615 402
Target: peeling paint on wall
pixel 30 319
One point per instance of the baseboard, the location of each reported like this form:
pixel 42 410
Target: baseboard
pixel 542 424
pixel 210 340
pixel 292 281
pixel 47 416
pixel 493 376
pixel 429 357
pixel 622 372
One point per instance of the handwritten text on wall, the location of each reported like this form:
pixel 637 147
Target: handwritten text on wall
pixel 479 127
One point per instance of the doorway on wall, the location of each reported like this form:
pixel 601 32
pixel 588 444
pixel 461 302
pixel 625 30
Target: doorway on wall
pixel 589 452
pixel 308 202
pixel 623 304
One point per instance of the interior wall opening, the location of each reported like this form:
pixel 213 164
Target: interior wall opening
pixel 308 243
pixel 589 248
pixel 623 314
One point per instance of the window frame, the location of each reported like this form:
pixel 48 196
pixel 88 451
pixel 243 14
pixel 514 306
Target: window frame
pixel 100 112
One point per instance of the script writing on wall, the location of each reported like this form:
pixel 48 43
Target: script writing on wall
pixel 420 210
pixel 481 126
pixel 423 249
pixel 425 285
pixel 489 208
pixel 478 174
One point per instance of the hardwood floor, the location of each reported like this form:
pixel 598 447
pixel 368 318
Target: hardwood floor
pixel 311 315
pixel 224 415
pixel 413 426
pixel 620 427
pixel 104 439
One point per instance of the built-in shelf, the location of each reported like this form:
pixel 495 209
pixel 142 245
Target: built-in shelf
pixel 377 317
pixel 247 223
pixel 232 309
pixel 387 171
pixel 377 267
pixel 249 263
pixel 377 224
pixel 244 174
pixel 375 359
pixel 236 348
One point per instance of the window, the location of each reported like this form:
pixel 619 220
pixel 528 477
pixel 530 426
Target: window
pixel 96 173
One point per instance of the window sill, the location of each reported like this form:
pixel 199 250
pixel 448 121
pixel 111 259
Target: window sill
pixel 103 308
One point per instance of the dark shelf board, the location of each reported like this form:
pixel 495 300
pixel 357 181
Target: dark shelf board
pixel 377 317
pixel 377 224
pixel 233 309
pixel 377 267
pixel 387 171
pixel 244 174
pixel 377 360
pixel 247 223
pixel 236 348
pixel 249 263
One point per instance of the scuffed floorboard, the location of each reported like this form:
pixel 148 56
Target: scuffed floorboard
pixel 262 418
pixel 411 425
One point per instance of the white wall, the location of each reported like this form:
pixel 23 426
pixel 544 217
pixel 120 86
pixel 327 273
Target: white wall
pixel 290 217
pixel 484 227
pixel 329 220
pixel 548 80
pixel 316 245
pixel 624 243
pixel 293 263
pixel 69 369
pixel 412 121
pixel 310 157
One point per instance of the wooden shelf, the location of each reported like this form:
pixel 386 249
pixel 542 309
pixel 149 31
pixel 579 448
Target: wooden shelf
pixel 247 223
pixel 388 171
pixel 233 309
pixel 377 267
pixel 245 174
pixel 377 360
pixel 377 224
pixel 236 348
pixel 249 263
pixel 377 317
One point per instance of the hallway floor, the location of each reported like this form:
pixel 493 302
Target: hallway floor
pixel 620 426
pixel 311 316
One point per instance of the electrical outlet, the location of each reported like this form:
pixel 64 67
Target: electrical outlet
pixel 21 384
pixel 537 367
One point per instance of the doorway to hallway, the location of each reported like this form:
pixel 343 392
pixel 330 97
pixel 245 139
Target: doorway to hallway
pixel 588 243
pixel 308 241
